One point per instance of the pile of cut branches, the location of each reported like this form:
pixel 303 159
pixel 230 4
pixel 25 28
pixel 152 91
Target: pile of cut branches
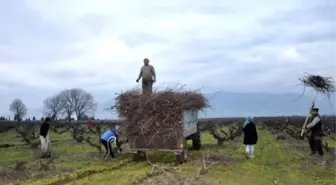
pixel 322 85
pixel 159 115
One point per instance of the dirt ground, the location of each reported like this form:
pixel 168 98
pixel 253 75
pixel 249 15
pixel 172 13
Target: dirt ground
pixel 278 161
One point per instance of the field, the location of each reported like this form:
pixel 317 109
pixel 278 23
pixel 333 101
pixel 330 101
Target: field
pixel 281 158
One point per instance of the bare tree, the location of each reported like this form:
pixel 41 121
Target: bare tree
pixel 53 106
pixel 67 103
pixel 83 102
pixel 18 108
pixel 77 101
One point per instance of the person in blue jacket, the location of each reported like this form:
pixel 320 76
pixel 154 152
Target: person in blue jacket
pixel 106 139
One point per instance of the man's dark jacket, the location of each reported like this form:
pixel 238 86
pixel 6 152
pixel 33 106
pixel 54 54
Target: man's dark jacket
pixel 44 129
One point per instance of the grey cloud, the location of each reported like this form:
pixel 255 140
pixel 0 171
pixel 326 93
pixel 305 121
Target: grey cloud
pixel 251 55
pixel 135 40
pixel 95 23
pixel 28 37
pixel 217 8
pixel 23 25
pixel 324 11
pixel 68 78
pixel 11 85
pixel 21 54
pixel 275 30
pixel 213 10
pixel 313 24
pixel 326 33
pixel 282 35
pixel 248 56
pixel 66 74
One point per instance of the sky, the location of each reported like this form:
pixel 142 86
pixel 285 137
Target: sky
pixel 237 46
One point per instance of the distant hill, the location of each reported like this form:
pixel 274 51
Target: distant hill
pixel 227 104
pixel 232 104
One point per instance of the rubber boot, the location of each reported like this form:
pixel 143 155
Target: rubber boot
pixel 251 156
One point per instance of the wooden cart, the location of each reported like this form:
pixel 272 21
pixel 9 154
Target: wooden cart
pixel 178 145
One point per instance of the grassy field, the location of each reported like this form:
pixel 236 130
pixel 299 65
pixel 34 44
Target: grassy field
pixel 283 162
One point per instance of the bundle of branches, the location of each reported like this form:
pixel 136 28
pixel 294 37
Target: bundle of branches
pixel 322 85
pixel 159 114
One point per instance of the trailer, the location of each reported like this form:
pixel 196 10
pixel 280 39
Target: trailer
pixel 178 145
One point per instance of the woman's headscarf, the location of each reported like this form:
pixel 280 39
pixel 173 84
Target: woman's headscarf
pixel 248 120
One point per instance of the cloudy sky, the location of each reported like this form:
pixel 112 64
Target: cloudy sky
pixel 230 45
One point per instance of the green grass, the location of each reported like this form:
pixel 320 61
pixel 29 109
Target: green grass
pixel 271 164
pixel 275 162
pixel 331 142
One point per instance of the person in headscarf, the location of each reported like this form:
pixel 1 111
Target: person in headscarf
pixel 250 136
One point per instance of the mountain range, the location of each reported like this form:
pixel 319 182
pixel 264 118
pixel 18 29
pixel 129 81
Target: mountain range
pixel 233 104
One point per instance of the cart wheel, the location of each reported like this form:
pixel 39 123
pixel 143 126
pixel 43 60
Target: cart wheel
pixel 196 141
pixel 138 156
pixel 135 157
pixel 183 156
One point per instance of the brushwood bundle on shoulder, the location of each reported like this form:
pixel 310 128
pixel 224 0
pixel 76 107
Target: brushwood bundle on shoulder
pixel 159 113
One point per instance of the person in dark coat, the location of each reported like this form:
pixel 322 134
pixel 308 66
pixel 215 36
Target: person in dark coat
pixel 44 138
pixel 315 128
pixel 250 136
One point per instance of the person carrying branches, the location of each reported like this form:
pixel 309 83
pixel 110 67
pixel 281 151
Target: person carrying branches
pixel 321 85
pixel 315 128
pixel 148 75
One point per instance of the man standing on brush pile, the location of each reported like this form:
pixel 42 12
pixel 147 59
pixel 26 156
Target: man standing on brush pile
pixel 315 138
pixel 44 138
pixel 147 73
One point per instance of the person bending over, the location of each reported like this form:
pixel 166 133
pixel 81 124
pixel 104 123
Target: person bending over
pixel 108 137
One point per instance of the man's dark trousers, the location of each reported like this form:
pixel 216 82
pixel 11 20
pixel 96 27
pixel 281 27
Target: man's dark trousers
pixel 315 143
pixel 108 148
pixel 147 86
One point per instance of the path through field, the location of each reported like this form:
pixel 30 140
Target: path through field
pixel 277 162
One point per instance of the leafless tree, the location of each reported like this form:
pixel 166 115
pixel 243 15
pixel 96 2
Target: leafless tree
pixel 53 106
pixel 18 108
pixel 83 102
pixel 67 103
pixel 77 101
